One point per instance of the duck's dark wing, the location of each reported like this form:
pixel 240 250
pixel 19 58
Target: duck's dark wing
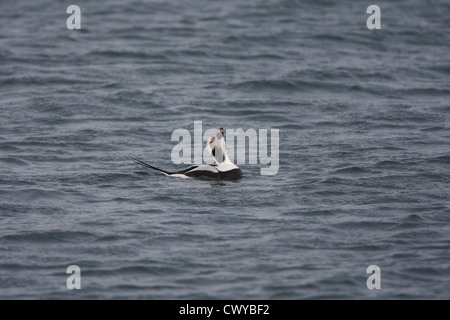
pixel 231 174
pixel 212 171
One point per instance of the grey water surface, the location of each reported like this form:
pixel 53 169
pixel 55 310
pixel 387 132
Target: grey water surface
pixel 364 144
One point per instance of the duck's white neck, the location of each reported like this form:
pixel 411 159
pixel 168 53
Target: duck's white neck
pixel 221 156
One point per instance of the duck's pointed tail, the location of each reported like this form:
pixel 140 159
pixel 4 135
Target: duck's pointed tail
pixel 142 163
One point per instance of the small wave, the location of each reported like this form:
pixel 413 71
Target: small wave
pixel 38 194
pixel 49 237
pixel 127 54
pixel 329 37
pixel 434 129
pixel 10 148
pixel 370 247
pixel 339 74
pixel 427 271
pixel 14 161
pixel 445 159
pixel 410 222
pixel 129 94
pixel 351 170
pixel 292 126
pixel 313 213
pixel 334 181
pixel 256 85
pixel 44 81
pixel 365 224
pixel 386 164
pixel 432 92
pixel 185 53
pixel 147 269
pixel 445 69
pixel 252 57
pixel 281 85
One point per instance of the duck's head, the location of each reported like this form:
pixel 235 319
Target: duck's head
pixel 217 147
